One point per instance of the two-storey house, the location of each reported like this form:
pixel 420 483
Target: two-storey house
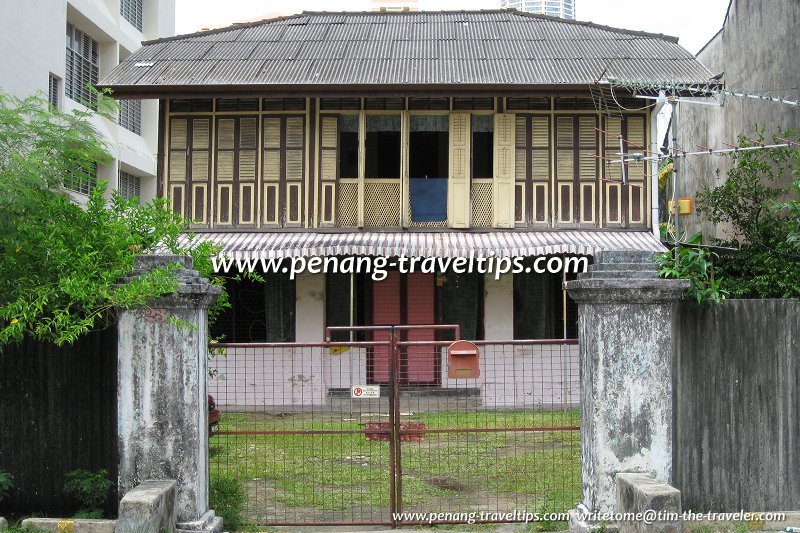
pixel 424 134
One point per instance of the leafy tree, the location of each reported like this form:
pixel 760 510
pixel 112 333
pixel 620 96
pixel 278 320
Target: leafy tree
pixel 792 206
pixel 60 262
pixel 765 263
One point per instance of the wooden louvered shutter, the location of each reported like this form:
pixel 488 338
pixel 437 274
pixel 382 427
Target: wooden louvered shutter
pixel 226 153
pixel 293 168
pixel 271 173
pixel 247 171
pixel 458 185
pixel 613 191
pixel 540 170
pixel 565 170
pixel 177 171
pixel 189 167
pixel 520 170
pixel 283 170
pixel 587 170
pixel 200 171
pixel 637 171
pixel 503 186
pixel 328 158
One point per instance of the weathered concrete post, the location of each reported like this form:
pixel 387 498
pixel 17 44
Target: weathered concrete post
pixel 162 397
pixel 625 330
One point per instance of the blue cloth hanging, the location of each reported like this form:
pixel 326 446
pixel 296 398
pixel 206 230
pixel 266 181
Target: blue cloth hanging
pixel 428 199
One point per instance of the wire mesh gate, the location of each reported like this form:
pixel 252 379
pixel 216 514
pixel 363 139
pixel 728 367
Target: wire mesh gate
pixel 415 446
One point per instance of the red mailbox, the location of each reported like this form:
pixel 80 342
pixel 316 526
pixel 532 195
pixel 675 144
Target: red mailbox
pixel 463 360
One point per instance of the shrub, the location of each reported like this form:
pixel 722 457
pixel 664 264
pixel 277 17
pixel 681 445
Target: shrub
pixel 227 497
pixel 90 489
pixel 6 484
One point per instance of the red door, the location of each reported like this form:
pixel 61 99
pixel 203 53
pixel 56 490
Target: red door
pixel 405 300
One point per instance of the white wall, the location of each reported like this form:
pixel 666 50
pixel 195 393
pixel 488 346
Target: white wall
pixel 32 38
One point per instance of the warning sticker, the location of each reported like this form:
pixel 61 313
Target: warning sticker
pixel 365 391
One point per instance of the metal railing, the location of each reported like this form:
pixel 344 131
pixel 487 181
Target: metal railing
pixel 306 451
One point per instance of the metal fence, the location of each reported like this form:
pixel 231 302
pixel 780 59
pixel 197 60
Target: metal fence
pixel 373 431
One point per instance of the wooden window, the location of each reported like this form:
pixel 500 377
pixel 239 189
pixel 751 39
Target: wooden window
pixel 236 170
pixel 283 147
pixel 625 200
pixel 504 185
pixel 329 169
pixel 532 170
pixel 576 171
pixel 189 167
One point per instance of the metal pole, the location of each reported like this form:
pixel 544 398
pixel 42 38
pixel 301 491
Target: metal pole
pixel 675 168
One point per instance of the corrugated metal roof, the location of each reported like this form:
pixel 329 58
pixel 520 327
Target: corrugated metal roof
pixel 258 245
pixel 425 48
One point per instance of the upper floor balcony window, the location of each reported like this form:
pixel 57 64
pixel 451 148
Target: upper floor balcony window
pixel 543 162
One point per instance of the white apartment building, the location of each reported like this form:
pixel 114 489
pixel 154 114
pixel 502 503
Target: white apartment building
pixel 555 8
pixel 56 47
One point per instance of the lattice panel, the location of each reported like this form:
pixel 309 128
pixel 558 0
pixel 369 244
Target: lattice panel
pixel 348 204
pixel 482 209
pixel 382 203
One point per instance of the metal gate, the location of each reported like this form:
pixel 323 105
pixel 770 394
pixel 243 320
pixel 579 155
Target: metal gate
pixel 306 439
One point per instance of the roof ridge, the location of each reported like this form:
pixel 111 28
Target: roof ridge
pixel 240 25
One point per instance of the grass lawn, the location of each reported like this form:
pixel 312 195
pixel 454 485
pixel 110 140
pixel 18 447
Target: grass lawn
pixel 345 477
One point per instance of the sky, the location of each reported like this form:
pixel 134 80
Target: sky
pixel 694 22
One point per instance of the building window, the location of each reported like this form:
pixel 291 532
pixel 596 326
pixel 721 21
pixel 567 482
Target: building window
pixel 82 182
pixel 344 304
pixel 82 68
pixel 383 147
pixel 542 308
pixel 130 186
pixel 259 312
pixel 482 146
pixel 428 146
pixel 131 10
pixel 54 92
pixel 348 146
pixel 130 115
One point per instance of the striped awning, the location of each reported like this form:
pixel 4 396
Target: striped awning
pixel 258 245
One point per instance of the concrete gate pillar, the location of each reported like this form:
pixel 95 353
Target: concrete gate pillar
pixel 162 396
pixel 625 330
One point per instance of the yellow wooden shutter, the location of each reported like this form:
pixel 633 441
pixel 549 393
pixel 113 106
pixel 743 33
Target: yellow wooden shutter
pixel 458 185
pixel 504 170
pixel 329 127
pixel 271 171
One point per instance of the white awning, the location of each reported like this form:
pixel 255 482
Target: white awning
pixel 258 245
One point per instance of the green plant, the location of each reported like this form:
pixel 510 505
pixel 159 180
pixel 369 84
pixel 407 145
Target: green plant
pixel 792 205
pixel 765 262
pixel 6 484
pixel 694 263
pixel 227 497
pixel 90 489
pixel 60 262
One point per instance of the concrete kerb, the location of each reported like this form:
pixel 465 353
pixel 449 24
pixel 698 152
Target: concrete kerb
pixel 148 507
